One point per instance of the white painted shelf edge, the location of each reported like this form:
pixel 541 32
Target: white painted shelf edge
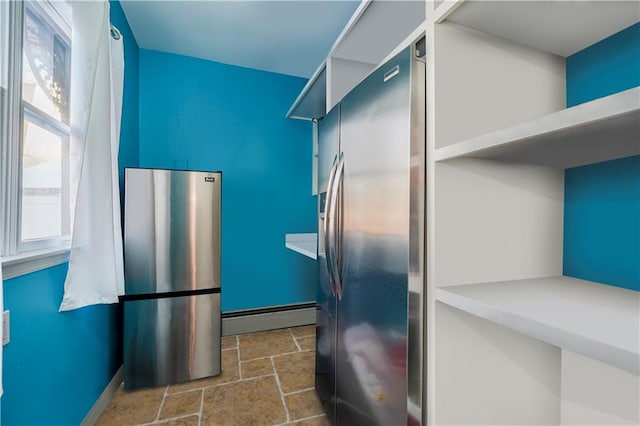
pixel 444 9
pixel 318 72
pixel 308 87
pixel 560 128
pixel 595 320
pixel 303 243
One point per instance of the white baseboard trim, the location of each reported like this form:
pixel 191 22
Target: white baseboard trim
pixel 106 395
pixel 249 321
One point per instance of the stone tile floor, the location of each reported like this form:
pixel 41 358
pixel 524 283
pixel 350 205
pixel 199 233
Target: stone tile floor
pixel 267 379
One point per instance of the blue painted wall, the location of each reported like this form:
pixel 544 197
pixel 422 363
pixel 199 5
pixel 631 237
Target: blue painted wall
pixel 202 115
pixel 57 364
pixel 129 154
pixel 602 222
pixel 602 201
pixel 609 66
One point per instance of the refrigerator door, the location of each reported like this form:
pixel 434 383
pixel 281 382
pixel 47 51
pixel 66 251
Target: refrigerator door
pixel 171 340
pixel 372 314
pixel 326 308
pixel 172 230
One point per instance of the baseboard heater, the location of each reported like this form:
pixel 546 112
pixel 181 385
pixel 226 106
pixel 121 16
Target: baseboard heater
pixel 269 318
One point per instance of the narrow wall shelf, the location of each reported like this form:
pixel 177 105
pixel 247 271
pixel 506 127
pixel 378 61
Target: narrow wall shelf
pixel 306 244
pixel 374 30
pixel 600 130
pixel 599 321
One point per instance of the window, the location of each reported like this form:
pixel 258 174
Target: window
pixel 35 72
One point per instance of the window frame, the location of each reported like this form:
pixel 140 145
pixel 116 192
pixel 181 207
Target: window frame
pixel 21 257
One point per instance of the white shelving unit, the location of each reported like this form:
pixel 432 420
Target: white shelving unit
pixel 373 31
pixel 600 130
pixel 512 341
pixel 591 319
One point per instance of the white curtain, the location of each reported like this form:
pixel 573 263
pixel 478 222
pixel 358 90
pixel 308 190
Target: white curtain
pixel 96 271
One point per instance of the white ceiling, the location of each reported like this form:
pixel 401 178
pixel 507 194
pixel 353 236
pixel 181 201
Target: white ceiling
pixel 287 37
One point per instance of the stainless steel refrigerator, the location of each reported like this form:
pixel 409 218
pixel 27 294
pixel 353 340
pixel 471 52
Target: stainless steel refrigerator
pixel 370 328
pixel 172 319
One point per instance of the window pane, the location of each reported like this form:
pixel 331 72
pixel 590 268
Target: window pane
pixel 45 206
pixel 45 75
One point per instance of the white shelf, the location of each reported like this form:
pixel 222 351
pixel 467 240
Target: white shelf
pixel 306 244
pixel 599 321
pixel 600 130
pixel 559 27
pixel 311 101
pixel 375 29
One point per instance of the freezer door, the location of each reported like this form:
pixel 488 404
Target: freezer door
pixel 172 230
pixel 171 340
pixel 326 314
pixel 372 328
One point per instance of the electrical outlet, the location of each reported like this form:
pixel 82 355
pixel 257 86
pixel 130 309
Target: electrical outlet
pixel 5 328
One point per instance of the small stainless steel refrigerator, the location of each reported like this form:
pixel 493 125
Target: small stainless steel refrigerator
pixel 172 276
pixel 370 300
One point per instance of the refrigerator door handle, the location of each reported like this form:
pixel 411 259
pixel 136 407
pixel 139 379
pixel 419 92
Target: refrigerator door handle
pixel 333 238
pixel 327 225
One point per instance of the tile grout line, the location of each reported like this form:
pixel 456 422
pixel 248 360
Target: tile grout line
pixel 284 403
pixel 317 416
pixel 297 391
pixel 239 367
pixel 239 362
pixel 201 407
pixel 159 422
pixel 305 335
pixel 164 396
pixel 216 385
pixel 295 340
pixel 277 355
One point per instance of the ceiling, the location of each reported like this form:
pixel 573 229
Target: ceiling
pixel 288 37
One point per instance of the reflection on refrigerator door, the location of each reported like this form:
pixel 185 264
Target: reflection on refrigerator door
pixel 171 340
pixel 172 296
pixel 374 196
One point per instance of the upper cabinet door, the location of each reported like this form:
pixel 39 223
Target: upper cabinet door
pixel 328 146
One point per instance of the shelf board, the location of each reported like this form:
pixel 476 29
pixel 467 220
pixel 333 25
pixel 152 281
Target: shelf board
pixel 306 244
pixel 375 29
pixel 595 320
pixel 311 101
pixel 600 130
pixel 559 27
pixel 378 30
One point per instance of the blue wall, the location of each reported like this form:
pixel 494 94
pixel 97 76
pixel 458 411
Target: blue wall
pixel 129 154
pixel 602 201
pixel 602 222
pixel 202 115
pixel 57 364
pixel 609 66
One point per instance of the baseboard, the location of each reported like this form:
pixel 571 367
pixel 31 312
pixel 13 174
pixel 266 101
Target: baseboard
pixel 106 395
pixel 251 320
